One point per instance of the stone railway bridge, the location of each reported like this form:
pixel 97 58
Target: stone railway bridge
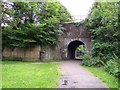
pixel 73 37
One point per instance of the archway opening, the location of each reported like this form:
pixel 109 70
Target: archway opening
pixel 74 49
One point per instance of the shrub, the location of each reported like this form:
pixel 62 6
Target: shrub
pixel 112 67
pixel 88 60
pixel 105 51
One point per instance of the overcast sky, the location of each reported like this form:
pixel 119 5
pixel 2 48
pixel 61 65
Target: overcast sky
pixel 78 8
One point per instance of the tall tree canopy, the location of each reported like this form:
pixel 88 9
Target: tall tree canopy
pixel 103 25
pixel 32 23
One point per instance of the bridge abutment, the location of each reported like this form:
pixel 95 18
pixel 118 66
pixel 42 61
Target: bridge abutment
pixel 78 35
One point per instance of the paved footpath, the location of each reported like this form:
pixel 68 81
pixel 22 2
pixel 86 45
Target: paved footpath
pixel 76 76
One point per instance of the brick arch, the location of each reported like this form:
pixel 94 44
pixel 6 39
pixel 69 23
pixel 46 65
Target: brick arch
pixel 72 46
pixel 74 33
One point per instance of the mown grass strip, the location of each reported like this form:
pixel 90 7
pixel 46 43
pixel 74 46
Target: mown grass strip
pixel 29 75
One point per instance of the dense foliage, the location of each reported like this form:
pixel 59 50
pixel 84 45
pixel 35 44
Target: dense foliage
pixel 103 24
pixel 30 24
pixel 88 60
pixel 111 66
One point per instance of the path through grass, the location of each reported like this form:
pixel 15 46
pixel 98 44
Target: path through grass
pixel 28 75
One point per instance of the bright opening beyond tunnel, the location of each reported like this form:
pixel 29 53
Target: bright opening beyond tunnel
pixel 72 49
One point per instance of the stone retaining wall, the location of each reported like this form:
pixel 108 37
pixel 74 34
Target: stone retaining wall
pixel 22 54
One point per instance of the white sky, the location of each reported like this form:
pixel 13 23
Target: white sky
pixel 78 8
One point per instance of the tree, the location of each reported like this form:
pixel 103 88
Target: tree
pixel 31 24
pixel 103 25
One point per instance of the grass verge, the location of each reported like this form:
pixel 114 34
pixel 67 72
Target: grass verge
pixel 111 81
pixel 28 75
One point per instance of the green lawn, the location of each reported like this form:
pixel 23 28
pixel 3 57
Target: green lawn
pixel 110 80
pixel 28 75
